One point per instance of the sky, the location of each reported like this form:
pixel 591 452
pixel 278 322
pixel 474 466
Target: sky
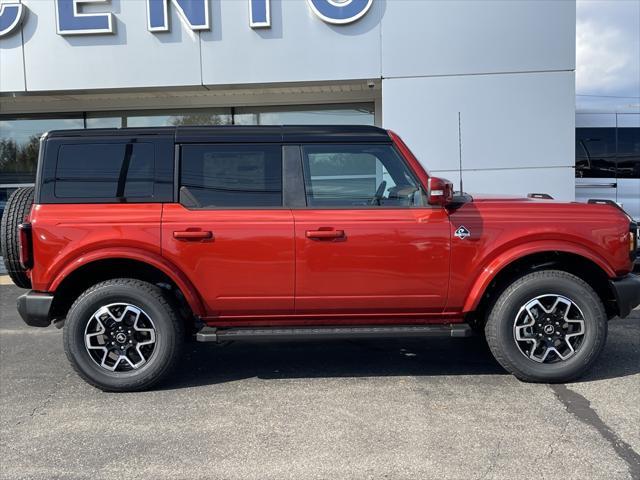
pixel 608 48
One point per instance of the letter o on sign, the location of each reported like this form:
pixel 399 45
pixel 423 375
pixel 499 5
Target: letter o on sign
pixel 340 12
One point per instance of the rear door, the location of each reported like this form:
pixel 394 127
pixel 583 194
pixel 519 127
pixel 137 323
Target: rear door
pixel 230 233
pixel 366 243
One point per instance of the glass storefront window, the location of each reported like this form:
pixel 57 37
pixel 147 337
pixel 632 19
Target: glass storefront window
pixel 19 143
pixel 161 118
pixel 104 122
pixel 347 114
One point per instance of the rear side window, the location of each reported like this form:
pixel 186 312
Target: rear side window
pixel 358 176
pixel 99 171
pixel 231 176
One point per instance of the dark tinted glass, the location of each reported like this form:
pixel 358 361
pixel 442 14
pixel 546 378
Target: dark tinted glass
pixel 228 176
pixel 358 176
pixel 628 152
pixel 595 152
pixel 116 170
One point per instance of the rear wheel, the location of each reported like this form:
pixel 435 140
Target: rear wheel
pixel 123 335
pixel 548 326
pixel 16 211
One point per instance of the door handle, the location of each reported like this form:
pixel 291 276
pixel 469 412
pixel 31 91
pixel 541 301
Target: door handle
pixel 193 235
pixel 325 234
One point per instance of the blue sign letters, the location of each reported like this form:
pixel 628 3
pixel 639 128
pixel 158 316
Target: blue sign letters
pixel 259 13
pixel 71 21
pixel 194 14
pixel 340 13
pixel 11 15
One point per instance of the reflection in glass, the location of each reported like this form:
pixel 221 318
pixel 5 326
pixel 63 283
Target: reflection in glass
pixel 104 122
pixel 629 153
pixel 595 153
pixel 347 114
pixel 19 145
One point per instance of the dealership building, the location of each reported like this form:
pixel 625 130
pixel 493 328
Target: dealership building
pixel 506 69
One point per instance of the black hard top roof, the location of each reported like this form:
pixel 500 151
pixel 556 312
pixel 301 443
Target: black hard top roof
pixel 242 134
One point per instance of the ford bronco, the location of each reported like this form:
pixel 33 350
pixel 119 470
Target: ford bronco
pixel 135 240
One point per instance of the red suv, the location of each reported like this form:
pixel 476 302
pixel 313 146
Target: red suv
pixel 136 239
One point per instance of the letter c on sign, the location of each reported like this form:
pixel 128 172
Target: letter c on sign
pixel 340 12
pixel 11 15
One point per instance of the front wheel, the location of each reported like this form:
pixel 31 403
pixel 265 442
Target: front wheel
pixel 548 326
pixel 123 335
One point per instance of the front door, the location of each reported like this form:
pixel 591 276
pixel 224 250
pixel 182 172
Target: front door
pixel 230 233
pixel 367 243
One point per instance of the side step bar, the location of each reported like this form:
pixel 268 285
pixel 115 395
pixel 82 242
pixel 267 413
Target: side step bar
pixel 209 334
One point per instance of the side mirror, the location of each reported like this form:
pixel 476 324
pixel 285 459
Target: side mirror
pixel 439 191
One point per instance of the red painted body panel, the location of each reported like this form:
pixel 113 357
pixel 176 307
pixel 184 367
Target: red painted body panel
pixel 504 230
pixel 64 234
pixel 246 268
pixel 67 237
pixel 389 260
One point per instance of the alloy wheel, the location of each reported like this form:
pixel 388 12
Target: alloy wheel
pixel 549 328
pixel 120 337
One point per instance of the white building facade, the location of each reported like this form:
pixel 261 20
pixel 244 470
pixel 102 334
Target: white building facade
pixel 508 68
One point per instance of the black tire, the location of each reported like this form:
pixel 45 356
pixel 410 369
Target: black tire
pixel 499 328
pixel 150 299
pixel 16 210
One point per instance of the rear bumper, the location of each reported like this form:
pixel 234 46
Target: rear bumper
pixel 627 292
pixel 34 308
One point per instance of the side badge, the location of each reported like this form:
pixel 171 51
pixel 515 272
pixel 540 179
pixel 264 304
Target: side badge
pixel 462 232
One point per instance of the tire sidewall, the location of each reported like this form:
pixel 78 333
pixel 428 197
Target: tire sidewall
pixel 16 211
pixel 80 314
pixel 595 324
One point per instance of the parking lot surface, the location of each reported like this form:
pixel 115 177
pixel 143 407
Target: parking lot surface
pixel 420 408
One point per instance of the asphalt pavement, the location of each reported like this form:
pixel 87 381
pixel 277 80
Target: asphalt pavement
pixel 382 409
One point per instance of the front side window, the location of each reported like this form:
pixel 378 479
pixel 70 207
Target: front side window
pixel 231 176
pixel 358 176
pixel 105 171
